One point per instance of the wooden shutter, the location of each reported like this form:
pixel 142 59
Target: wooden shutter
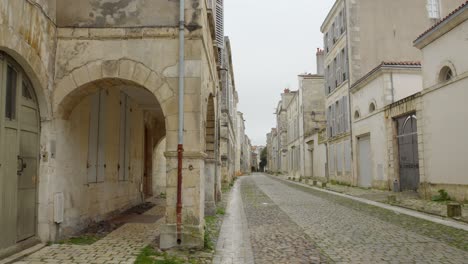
pixel 346 113
pixel 93 138
pixel 128 125
pixel 123 123
pixel 333 120
pixel 220 23
pixel 101 162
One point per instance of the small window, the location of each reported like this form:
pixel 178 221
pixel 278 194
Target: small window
pixel 433 9
pixel 446 74
pixel 371 107
pixel 357 115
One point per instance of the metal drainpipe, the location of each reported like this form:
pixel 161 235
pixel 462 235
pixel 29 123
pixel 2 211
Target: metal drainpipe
pixel 350 116
pixel 180 146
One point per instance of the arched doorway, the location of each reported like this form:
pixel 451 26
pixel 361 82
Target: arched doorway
pixel 19 153
pixel 105 142
pixel 408 152
pixel 210 161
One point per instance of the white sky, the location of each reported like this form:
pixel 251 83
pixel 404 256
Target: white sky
pixel 272 42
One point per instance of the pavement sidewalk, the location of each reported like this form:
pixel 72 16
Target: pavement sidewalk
pixel 408 203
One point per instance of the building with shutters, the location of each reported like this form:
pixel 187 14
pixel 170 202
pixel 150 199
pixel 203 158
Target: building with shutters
pixel 228 115
pixel 355 42
pixel 89 116
pixel 296 147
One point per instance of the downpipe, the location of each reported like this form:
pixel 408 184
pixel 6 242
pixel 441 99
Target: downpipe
pixel 180 146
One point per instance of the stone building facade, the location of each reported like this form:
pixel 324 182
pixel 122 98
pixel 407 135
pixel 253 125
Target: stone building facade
pixel 89 96
pixel 442 130
pixel 228 126
pixel 350 53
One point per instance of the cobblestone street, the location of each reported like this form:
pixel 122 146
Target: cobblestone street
pixel 121 246
pixel 286 223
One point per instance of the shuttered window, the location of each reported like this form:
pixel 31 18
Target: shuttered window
pixel 344 63
pixel 346 113
pixel 96 141
pixel 124 146
pixel 220 23
pixel 331 159
pixel 433 8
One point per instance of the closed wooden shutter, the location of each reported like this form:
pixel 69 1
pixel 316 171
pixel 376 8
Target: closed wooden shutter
pixel 346 113
pixel 220 24
pixel 93 138
pixel 102 136
pixel 97 138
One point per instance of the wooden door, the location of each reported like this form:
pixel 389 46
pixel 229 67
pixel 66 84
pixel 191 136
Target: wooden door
pixel 28 134
pixel 19 152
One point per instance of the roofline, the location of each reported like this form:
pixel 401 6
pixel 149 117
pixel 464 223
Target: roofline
pixel 311 76
pixel 435 32
pixel 329 15
pixel 380 68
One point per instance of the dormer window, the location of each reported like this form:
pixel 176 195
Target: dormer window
pixel 433 9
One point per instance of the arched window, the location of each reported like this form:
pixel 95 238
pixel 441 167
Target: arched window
pixel 357 115
pixel 372 107
pixel 446 74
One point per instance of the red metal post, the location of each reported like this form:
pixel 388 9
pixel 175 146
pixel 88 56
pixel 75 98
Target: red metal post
pixel 180 152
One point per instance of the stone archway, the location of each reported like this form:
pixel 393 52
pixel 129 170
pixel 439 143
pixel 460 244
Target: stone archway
pixel 106 129
pixel 128 71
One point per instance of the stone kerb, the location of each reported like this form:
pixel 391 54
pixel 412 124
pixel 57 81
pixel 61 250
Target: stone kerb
pixel 123 69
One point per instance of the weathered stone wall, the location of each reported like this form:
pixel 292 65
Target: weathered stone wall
pixel 120 13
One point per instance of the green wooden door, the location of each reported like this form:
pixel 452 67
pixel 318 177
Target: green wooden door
pixel 19 152
pixel 28 134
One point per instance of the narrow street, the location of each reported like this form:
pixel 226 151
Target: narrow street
pixel 271 221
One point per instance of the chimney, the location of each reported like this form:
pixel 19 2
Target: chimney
pixel 320 61
pixel 287 90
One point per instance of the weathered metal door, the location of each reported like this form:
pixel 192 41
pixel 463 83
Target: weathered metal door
pixel 408 152
pixel 365 162
pixel 19 136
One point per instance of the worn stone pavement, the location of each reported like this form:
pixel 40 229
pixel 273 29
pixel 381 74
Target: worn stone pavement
pixel 121 246
pixel 286 223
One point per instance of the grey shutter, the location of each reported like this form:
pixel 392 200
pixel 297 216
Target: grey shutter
pixel 123 124
pixel 219 24
pixel 328 123
pixel 128 125
pixel 345 63
pixel 339 76
pixel 333 120
pixel 325 83
pixel 93 138
pixel 101 163
pixel 346 113
pixel 325 43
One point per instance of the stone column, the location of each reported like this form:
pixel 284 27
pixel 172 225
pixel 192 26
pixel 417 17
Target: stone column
pixel 193 197
pixel 210 192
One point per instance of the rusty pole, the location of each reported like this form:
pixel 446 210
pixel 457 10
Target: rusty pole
pixel 180 146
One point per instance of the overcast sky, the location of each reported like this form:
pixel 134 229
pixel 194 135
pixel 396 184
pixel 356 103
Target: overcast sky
pixel 272 42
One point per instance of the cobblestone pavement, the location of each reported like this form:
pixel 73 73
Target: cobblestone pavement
pixel 409 200
pixel 121 246
pixel 351 232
